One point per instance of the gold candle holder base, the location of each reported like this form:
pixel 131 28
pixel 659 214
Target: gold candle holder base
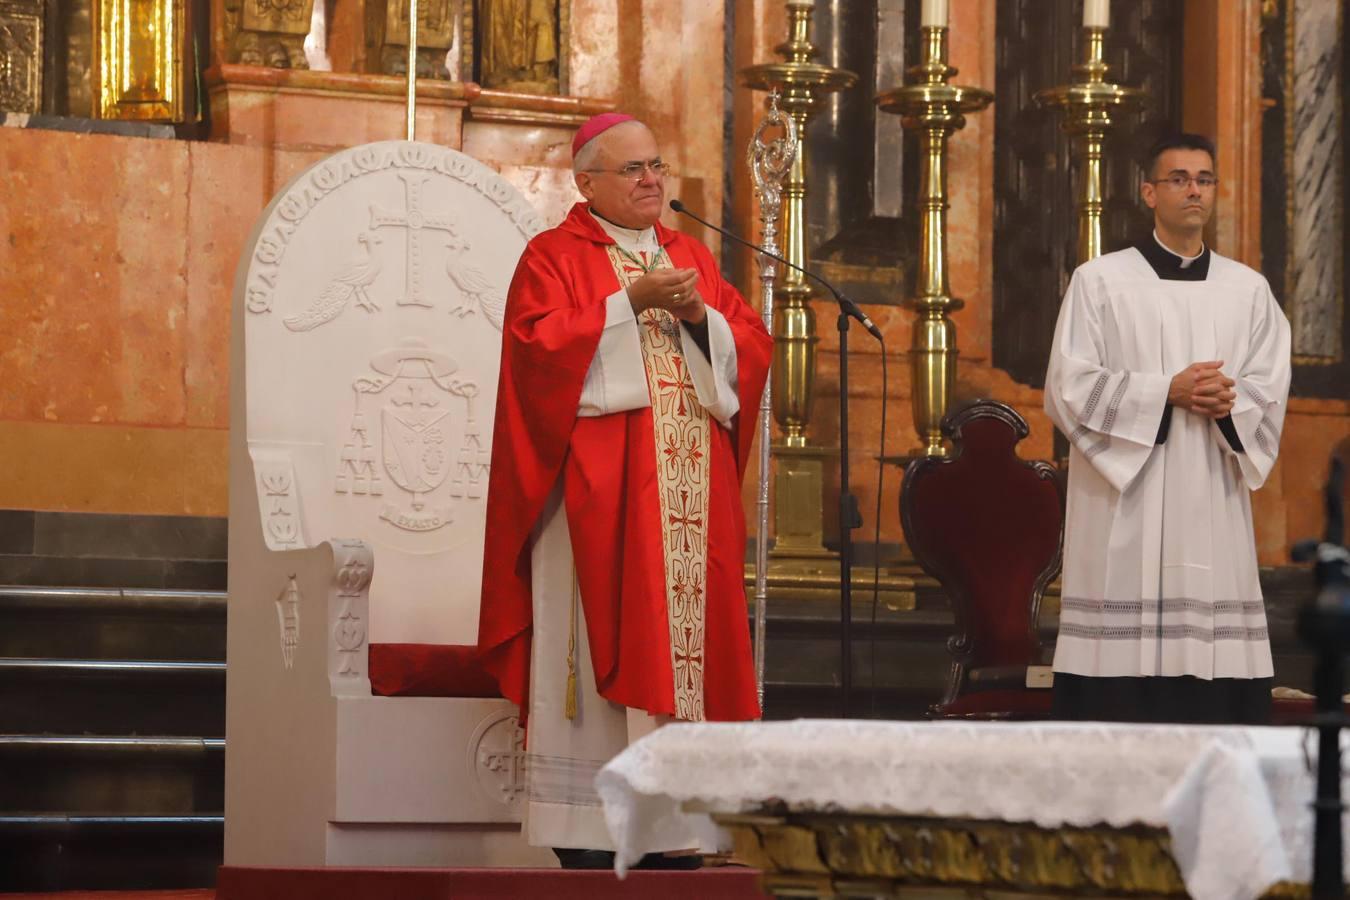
pixel 935 109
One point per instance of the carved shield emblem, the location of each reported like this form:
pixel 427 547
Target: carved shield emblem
pixel 415 454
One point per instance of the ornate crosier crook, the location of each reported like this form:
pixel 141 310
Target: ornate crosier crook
pixel 770 162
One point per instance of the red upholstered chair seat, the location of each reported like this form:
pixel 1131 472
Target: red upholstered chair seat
pixel 429 670
pixel 1295 711
pixel 1023 703
pixel 988 526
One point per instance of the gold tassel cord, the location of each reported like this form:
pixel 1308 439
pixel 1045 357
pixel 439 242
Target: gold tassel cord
pixel 570 701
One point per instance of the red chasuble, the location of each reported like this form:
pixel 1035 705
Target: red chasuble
pixel 665 636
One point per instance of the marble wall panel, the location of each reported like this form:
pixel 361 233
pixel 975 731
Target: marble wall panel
pixel 1305 454
pixel 113 468
pixel 699 99
pixel 304 110
pixel 550 189
pixel 600 62
pixel 1317 242
pixel 92 266
pixel 239 182
pixel 543 146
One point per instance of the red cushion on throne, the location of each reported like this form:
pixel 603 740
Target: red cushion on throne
pixel 429 670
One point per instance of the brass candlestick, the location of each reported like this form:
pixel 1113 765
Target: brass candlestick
pixel 799 480
pixel 1088 106
pixel 934 107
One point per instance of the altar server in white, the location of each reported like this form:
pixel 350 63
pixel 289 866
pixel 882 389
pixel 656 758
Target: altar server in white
pixel 1170 376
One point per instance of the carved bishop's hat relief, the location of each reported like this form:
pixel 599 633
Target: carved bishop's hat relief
pixel 372 293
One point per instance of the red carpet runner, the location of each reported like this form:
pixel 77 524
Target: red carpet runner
pixel 482 884
pixel 729 883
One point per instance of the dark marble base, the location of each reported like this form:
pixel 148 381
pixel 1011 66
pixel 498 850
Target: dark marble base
pixel 88 126
pixel 122 551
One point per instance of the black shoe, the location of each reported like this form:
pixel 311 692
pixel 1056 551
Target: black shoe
pixel 584 859
pixel 660 861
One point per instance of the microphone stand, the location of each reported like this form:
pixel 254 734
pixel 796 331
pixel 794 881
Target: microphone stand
pixel 849 516
pixel 1325 624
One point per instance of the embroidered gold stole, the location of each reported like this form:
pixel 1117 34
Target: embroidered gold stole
pixel 682 434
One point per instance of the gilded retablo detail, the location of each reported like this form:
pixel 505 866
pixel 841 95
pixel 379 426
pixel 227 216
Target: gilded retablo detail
pixel 519 45
pixel 21 56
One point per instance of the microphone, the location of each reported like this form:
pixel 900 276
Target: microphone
pixel 845 304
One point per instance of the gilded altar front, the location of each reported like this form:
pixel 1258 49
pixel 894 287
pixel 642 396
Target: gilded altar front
pixel 860 856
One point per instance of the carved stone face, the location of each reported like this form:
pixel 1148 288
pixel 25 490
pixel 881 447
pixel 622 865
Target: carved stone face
pixel 620 199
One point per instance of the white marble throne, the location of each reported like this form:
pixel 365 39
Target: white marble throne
pixel 365 346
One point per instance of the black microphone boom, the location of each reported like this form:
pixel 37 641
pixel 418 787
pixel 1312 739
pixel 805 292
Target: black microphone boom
pixel 845 304
pixel 849 517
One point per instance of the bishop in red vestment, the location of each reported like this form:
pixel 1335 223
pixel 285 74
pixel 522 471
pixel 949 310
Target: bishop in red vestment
pixel 630 378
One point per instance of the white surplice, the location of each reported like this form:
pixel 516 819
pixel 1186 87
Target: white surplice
pixel 1160 570
pixel 564 755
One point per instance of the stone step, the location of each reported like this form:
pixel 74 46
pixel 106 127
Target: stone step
pixel 112 697
pixel 126 775
pixel 57 852
pixel 112 623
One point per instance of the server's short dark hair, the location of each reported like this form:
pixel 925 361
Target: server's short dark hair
pixel 1177 141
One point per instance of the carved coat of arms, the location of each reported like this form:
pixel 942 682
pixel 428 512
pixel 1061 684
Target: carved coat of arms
pixel 428 431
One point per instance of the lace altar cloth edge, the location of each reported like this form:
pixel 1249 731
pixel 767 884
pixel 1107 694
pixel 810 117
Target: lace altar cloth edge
pixel 1235 800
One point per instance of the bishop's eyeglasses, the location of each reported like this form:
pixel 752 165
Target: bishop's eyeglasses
pixel 1179 182
pixel 636 171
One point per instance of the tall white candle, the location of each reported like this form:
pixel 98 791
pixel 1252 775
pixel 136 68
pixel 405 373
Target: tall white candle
pixel 1096 13
pixel 933 14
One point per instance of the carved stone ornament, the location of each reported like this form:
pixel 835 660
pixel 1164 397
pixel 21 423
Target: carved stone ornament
pixel 371 299
pixel 278 502
pixel 497 757
pixel 418 427
pixel 348 607
pixel 288 618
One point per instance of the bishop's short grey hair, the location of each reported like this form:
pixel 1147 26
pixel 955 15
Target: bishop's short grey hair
pixel 586 157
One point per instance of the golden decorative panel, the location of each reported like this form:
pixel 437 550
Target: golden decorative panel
pixel 138 45
pixel 21 56
pixel 267 33
pixel 826 856
pixel 435 23
pixel 282 16
pixel 519 43
pixel 444 38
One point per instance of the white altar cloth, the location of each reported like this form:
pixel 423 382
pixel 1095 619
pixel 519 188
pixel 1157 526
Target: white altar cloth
pixel 1235 800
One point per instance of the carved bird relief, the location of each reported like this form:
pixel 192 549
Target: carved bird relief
pixel 350 283
pixel 474 286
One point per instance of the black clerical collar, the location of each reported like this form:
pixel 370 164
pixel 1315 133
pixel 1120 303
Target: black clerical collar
pixel 1167 264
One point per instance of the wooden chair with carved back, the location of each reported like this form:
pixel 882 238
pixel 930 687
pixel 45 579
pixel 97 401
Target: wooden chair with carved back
pixel 988 525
